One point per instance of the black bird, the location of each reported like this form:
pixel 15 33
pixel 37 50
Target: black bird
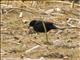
pixel 38 25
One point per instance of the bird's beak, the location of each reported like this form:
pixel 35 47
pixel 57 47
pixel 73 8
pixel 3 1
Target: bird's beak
pixel 30 29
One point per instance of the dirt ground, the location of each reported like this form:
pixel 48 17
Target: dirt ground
pixel 16 39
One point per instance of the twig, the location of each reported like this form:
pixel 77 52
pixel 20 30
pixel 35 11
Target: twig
pixel 36 42
pixel 65 2
pixel 29 7
pixel 21 14
pixel 72 5
pixel 45 30
pixel 35 47
pixel 73 19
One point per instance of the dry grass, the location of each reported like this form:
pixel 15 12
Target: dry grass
pixel 15 39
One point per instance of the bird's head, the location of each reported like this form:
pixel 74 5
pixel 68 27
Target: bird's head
pixel 32 22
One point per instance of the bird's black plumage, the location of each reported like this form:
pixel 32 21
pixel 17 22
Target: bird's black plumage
pixel 38 25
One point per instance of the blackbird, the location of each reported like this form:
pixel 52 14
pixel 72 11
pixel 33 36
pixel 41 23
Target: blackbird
pixel 39 27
